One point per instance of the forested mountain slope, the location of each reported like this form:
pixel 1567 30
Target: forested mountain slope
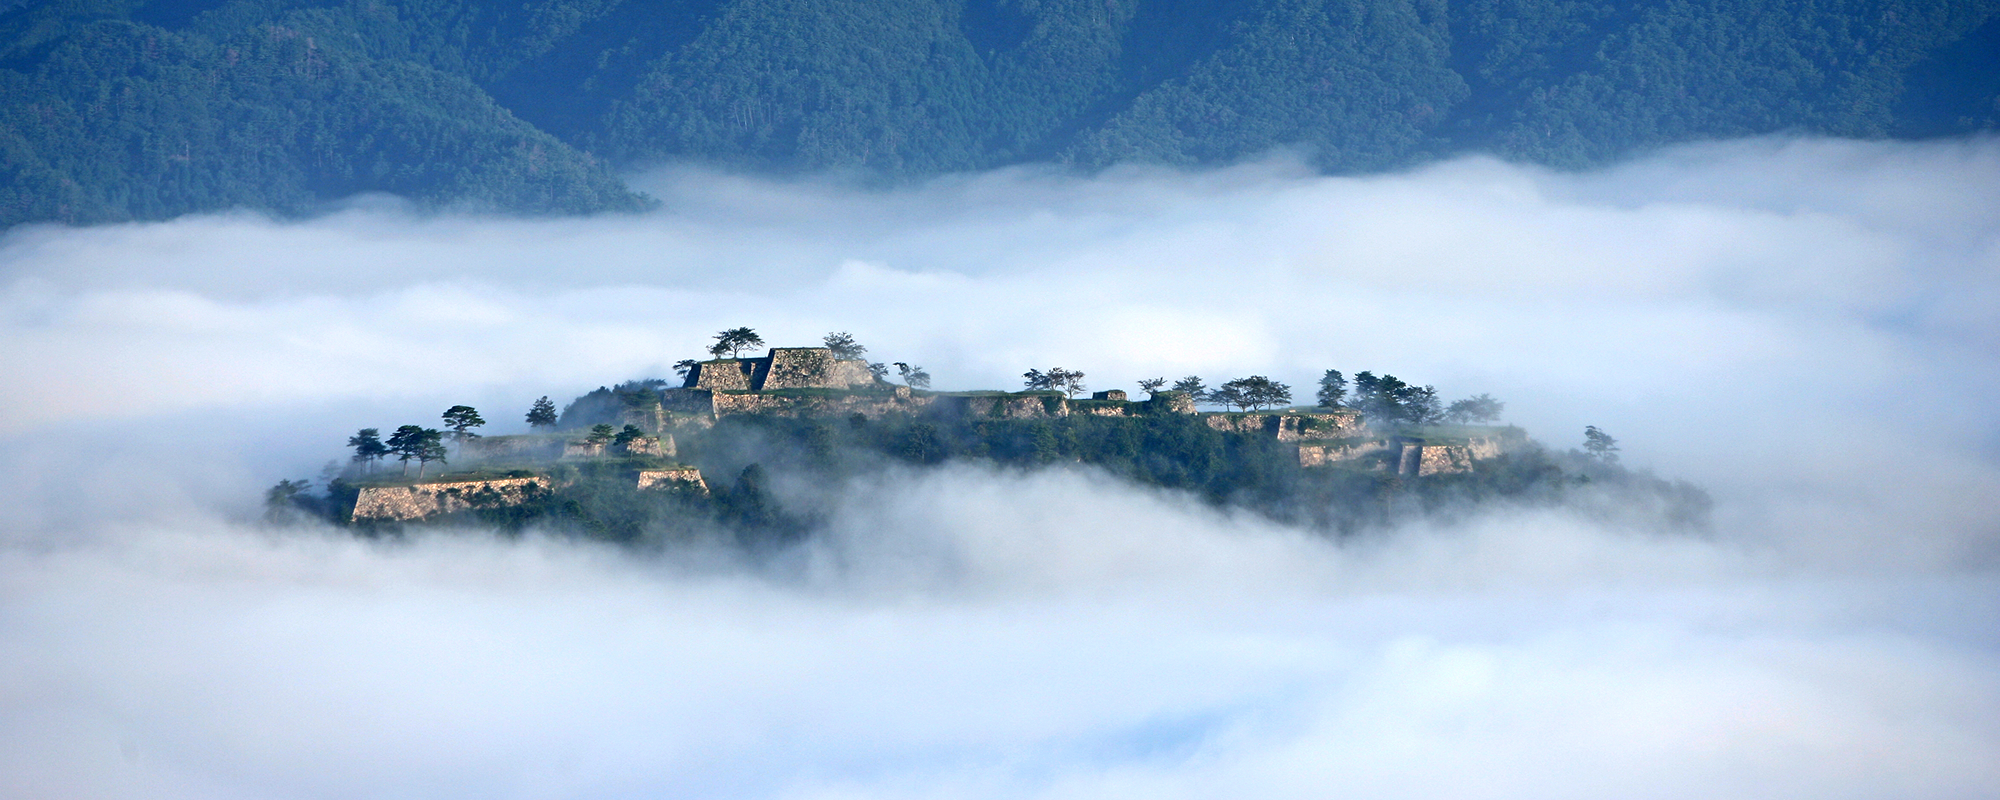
pixel 122 109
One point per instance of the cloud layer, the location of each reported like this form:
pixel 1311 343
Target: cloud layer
pixel 1804 327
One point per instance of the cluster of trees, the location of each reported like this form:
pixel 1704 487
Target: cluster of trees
pixel 149 108
pixel 416 442
pixel 1067 381
pixel 1244 394
pixel 603 434
pixel 1388 399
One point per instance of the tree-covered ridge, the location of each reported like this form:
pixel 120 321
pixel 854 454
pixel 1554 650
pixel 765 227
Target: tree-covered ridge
pixel 116 119
pixel 120 109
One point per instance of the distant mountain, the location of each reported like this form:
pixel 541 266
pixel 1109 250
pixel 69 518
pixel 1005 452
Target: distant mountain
pixel 144 109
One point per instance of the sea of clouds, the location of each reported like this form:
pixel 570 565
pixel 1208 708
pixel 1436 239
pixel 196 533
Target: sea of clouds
pixel 1806 328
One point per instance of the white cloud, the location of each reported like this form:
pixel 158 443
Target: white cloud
pixel 1802 326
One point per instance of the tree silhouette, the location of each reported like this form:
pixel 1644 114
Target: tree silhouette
pixel 733 341
pixel 429 447
pixel 1480 408
pixel 1195 389
pixel 916 377
pixel 1255 391
pixel 1069 382
pixel 1332 389
pixel 403 444
pixel 1600 445
pixel 843 346
pixel 461 418
pixel 368 447
pixel 542 414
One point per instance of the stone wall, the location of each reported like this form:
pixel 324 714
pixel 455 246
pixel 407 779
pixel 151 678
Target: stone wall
pixel 529 447
pixel 1443 459
pixel 417 501
pixel 1105 407
pixel 1291 427
pixel 687 401
pixel 808 368
pixel 1171 402
pixel 722 375
pixel 1109 394
pixel 662 445
pixel 1314 455
pixel 683 478
pixel 870 405
pixel 1002 406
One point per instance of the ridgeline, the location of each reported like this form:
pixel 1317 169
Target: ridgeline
pixel 146 109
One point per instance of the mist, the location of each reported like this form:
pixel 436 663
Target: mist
pixel 1802 327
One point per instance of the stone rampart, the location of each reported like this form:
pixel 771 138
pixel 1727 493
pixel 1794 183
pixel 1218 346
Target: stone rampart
pixel 1314 455
pixel 662 445
pixel 683 478
pixel 1290 426
pixel 1171 403
pixel 808 368
pixel 529 447
pixel 722 375
pixel 687 401
pixel 1106 407
pixel 417 501
pixel 1002 406
pixel 1443 459
pixel 870 404
pixel 1316 426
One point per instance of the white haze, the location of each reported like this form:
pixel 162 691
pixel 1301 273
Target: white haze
pixel 1806 328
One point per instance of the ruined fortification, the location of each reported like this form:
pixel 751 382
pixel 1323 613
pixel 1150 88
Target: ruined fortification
pixel 783 368
pixel 420 500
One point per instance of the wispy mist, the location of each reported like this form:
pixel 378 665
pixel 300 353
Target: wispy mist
pixel 1803 327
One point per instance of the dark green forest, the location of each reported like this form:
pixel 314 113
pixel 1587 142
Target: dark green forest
pixel 144 109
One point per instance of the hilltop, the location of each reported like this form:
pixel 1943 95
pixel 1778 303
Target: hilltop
pixel 763 447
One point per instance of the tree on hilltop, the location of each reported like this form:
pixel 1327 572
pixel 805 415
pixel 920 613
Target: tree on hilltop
pixel 368 447
pixel 1195 389
pixel 684 366
pixel 542 414
pixel 460 419
pixel 1152 385
pixel 600 434
pixel 1254 392
pixel 733 341
pixel 1069 382
pixel 628 435
pixel 429 447
pixel 1421 405
pixel 844 347
pixel 915 377
pixel 1479 408
pixel 403 444
pixel 1600 445
pixel 1332 389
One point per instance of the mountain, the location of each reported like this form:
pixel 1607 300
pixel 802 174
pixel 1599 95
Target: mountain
pixel 145 109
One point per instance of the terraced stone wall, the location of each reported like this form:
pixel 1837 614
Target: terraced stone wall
pixel 417 501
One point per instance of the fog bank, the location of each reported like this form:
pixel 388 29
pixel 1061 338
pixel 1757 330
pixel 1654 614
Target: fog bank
pixel 1803 327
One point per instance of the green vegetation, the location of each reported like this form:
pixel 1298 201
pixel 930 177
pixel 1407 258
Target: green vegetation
pixel 145 109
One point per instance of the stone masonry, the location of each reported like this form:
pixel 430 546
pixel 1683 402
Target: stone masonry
pixel 416 501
